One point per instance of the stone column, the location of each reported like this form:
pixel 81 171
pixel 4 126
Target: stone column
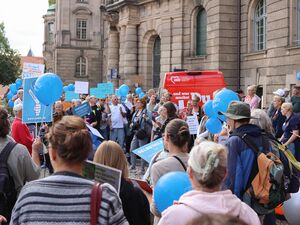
pixel 113 50
pixel 130 51
pixel 122 50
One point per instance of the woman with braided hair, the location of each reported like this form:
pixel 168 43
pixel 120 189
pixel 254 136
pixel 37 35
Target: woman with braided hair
pixel 206 171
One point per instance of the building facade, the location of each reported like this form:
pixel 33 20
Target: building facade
pixel 73 41
pixel 250 41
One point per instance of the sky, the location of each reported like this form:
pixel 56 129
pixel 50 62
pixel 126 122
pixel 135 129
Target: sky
pixel 24 26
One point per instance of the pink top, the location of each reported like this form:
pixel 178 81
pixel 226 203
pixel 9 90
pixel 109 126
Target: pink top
pixel 253 102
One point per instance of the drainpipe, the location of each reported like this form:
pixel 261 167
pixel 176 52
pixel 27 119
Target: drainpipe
pixel 239 43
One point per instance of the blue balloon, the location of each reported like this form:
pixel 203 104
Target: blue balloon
pixel 222 100
pixel 123 90
pixel 138 90
pixel 170 187
pixel 208 109
pixel 213 125
pixel 11 103
pixel 9 95
pixel 48 88
pixel 142 94
pixel 71 87
pixel 65 88
pixel 19 82
pixel 13 88
pixel 298 76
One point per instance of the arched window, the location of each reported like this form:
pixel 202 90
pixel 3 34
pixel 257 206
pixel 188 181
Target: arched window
pixel 156 62
pixel 50 32
pixel 298 22
pixel 81 67
pixel 260 21
pixel 201 32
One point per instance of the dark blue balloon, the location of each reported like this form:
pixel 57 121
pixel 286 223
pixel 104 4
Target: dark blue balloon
pixel 208 109
pixel 222 100
pixel 123 90
pixel 142 94
pixel 71 87
pixel 9 95
pixel 11 103
pixel 65 88
pixel 13 88
pixel 48 88
pixel 19 82
pixel 298 76
pixel 213 125
pixel 170 187
pixel 138 90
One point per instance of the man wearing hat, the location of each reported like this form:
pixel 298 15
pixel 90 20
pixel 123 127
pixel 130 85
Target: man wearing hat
pixel 240 156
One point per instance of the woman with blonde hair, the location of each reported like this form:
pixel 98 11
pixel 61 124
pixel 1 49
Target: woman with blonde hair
pixel 251 98
pixel 135 204
pixel 277 117
pixel 290 136
pixel 207 168
pixel 65 197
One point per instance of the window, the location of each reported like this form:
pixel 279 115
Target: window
pixel 156 62
pixel 260 19
pixel 201 32
pixel 81 67
pixel 81 27
pixel 298 23
pixel 50 32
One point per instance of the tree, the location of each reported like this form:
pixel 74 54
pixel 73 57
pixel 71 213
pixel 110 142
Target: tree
pixel 51 2
pixel 9 60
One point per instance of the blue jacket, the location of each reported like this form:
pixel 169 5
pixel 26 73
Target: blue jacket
pixel 241 158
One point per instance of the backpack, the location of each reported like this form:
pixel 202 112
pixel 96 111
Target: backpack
pixel 267 186
pixel 8 193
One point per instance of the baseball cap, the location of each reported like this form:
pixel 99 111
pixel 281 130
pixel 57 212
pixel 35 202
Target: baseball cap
pixel 279 92
pixel 238 110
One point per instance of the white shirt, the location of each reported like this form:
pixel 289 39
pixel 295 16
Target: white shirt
pixel 117 120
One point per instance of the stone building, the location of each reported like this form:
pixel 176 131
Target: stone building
pixel 250 41
pixel 72 45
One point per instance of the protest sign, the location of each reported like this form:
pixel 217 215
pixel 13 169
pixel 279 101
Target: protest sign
pixel 106 88
pixel 193 124
pixel 82 110
pixel 32 70
pixel 97 93
pixel 94 131
pixel 70 95
pixel 33 110
pixel 147 152
pixel 102 174
pixel 81 87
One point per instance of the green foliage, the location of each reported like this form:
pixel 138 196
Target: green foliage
pixel 51 2
pixel 9 60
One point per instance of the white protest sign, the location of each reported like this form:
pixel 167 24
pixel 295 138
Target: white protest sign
pixel 102 174
pixel 181 104
pixel 31 70
pixel 94 131
pixel 193 124
pixel 81 87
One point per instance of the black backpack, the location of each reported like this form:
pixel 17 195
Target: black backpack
pixel 8 193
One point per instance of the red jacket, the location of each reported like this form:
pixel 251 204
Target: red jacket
pixel 21 134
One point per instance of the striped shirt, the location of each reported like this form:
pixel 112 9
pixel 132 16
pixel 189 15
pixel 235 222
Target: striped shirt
pixel 64 198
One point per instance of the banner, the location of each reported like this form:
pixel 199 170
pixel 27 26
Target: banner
pixel 33 110
pixel 82 110
pixel 102 174
pixel 147 152
pixel 103 90
pixel 70 95
pixel 31 70
pixel 81 87
pixel 193 123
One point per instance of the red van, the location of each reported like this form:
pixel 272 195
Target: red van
pixel 185 84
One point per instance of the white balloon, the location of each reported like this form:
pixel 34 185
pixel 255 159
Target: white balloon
pixel 292 209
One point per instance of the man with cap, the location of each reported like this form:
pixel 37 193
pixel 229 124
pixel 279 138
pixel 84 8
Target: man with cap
pixel 240 156
pixel 271 109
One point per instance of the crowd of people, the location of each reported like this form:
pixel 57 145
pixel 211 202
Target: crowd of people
pixel 218 165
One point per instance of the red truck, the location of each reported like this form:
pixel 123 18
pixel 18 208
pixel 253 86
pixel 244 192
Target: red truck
pixel 185 84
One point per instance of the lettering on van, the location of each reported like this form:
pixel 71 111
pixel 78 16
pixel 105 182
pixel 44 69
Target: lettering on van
pixel 190 95
pixel 175 79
